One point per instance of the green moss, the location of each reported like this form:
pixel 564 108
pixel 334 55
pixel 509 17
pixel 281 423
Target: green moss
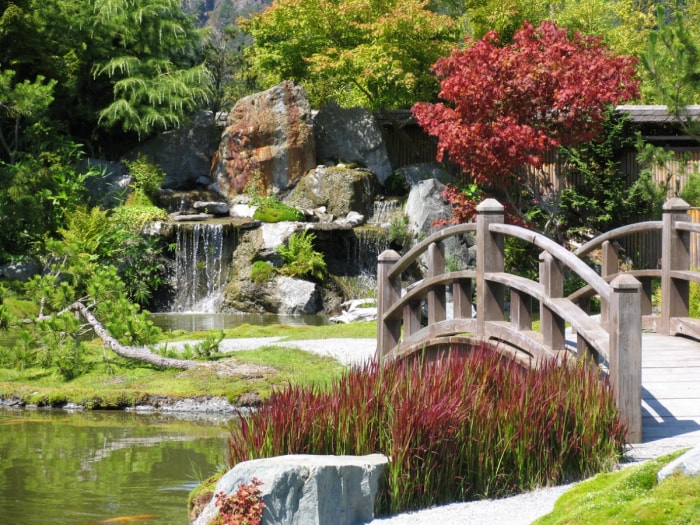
pixel 271 210
pixel 631 495
pixel 262 272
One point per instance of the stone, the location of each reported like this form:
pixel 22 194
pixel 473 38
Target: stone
pixel 356 310
pixel 297 296
pixel 339 190
pixel 308 490
pixel 110 187
pixel 351 136
pixel 242 210
pixel 22 270
pixel 215 208
pixel 268 138
pixel 416 173
pixel 688 464
pixel 185 153
pixel 423 207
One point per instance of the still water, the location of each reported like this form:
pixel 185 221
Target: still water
pixel 97 467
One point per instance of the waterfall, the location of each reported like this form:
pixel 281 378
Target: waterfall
pixel 385 211
pixel 201 265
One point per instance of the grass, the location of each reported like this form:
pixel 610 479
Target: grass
pixel 631 495
pixel 113 382
pixel 467 426
pixel 286 332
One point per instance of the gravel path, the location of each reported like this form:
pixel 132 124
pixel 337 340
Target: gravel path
pixel 516 510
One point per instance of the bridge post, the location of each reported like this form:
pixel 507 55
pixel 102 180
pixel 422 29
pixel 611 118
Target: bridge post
pixel 552 326
pixel 675 255
pixel 489 258
pixel 389 291
pixel 609 266
pixel 626 352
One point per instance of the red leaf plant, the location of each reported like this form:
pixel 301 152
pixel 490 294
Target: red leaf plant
pixel 243 507
pixel 505 106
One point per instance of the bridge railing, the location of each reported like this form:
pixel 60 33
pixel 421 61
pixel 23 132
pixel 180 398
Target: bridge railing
pixel 673 276
pixel 615 343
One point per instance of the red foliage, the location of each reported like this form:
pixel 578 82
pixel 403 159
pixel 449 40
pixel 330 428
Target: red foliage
pixel 507 105
pixel 243 507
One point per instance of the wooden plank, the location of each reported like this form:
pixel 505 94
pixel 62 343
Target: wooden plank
pixel 671 390
pixel 685 408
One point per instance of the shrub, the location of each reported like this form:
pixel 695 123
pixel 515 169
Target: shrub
pixel 243 507
pixel 461 427
pixel 261 272
pixel 148 177
pixel 271 210
pixel 300 258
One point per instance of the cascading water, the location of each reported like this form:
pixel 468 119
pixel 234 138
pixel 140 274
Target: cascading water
pixel 201 265
pixel 385 211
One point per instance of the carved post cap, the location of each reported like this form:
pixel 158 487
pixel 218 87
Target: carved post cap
pixel 388 256
pixel 490 206
pixel 625 283
pixel 675 205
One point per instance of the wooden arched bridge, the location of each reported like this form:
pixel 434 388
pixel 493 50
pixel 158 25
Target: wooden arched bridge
pixel 614 338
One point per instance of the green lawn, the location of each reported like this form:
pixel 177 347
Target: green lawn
pixel 631 495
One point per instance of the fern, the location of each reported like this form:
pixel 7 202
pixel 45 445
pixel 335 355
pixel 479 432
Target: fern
pixel 300 258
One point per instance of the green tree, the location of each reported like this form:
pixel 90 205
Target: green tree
pixel 22 104
pixel 372 54
pixel 672 66
pixel 151 64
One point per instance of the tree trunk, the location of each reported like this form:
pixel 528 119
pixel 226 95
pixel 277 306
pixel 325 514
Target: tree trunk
pixel 131 352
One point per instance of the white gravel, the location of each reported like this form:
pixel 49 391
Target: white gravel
pixel 522 509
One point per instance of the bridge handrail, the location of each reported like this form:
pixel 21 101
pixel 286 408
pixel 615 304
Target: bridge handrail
pixel 559 252
pixel 617 233
pixel 618 340
pixel 420 248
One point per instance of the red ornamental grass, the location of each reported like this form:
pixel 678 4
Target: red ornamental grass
pixel 471 424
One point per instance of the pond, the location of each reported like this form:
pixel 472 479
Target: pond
pixel 103 467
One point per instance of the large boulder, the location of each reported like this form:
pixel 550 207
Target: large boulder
pixel 338 189
pixel 184 154
pixel 308 490
pixel 424 206
pixel 688 464
pixel 281 295
pixel 268 138
pixel 110 187
pixel 351 136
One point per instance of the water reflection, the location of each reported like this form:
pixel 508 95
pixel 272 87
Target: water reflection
pixel 93 467
pixel 216 321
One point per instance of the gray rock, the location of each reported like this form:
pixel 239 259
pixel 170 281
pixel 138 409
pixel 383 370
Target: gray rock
pixel 111 186
pixel 268 139
pixel 308 490
pixel 416 173
pixel 688 464
pixel 423 207
pixel 351 136
pixel 184 154
pixel 20 270
pixel 215 208
pixel 340 190
pixel 297 296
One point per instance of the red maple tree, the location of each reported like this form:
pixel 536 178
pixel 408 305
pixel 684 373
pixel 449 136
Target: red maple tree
pixel 506 106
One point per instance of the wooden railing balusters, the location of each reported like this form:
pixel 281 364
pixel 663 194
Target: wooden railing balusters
pixel 552 326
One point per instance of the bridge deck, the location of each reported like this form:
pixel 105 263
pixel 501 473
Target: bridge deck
pixel 670 390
